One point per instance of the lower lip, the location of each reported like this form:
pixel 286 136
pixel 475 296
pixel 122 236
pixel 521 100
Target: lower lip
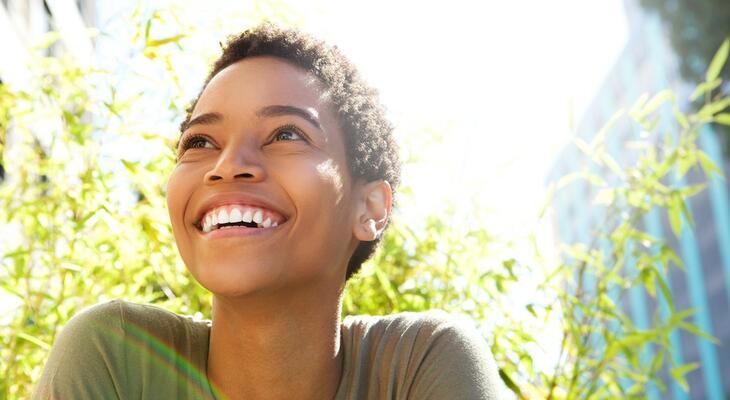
pixel 236 232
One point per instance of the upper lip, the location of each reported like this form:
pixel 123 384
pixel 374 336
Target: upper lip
pixel 222 199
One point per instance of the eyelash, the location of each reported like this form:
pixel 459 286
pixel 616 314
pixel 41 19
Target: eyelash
pixel 288 128
pixel 188 141
pixel 186 144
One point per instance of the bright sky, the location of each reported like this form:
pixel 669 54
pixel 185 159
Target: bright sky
pixel 498 79
pixel 495 80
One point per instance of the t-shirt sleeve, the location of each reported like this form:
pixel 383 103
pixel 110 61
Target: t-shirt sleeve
pixel 457 363
pixel 86 360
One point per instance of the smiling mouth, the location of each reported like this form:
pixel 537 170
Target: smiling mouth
pixel 233 216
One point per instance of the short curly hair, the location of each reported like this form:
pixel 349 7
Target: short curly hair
pixel 372 153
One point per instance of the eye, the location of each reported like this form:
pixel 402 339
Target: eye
pixel 195 142
pixel 287 133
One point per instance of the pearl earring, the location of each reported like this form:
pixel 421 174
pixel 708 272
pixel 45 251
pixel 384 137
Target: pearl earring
pixel 371 228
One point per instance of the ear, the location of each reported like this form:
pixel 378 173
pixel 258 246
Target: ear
pixel 374 205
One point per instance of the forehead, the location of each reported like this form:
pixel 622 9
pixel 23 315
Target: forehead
pixel 258 82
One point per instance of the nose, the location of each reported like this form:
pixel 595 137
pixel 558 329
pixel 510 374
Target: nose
pixel 236 164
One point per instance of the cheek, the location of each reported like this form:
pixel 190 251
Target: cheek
pixel 178 193
pixel 173 194
pixel 330 174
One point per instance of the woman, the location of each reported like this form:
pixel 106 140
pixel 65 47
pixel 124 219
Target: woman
pixel 283 186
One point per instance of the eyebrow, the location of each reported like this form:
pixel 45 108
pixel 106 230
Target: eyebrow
pixel 268 111
pixel 203 119
pixel 278 110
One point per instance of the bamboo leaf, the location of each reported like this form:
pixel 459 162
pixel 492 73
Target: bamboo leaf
pixel 705 87
pixel 666 293
pixel 674 213
pixel 164 41
pixel 34 340
pixel 583 146
pixel 510 383
pixel 678 374
pixel 695 330
pixel 718 61
pixel 612 164
pixel 656 101
pixel 707 165
pixel 723 118
pixel 708 111
pixel 681 118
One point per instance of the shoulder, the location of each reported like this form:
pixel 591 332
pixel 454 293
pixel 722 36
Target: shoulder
pixel 427 326
pixel 83 350
pixel 105 317
pixel 95 322
pixel 112 347
pixel 429 355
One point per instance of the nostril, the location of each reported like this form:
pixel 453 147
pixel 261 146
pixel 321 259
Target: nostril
pixel 245 175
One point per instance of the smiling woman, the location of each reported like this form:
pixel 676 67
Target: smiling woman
pixel 286 168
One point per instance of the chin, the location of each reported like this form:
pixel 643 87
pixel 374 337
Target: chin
pixel 234 279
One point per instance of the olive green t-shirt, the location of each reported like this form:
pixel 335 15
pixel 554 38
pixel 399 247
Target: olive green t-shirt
pixel 123 350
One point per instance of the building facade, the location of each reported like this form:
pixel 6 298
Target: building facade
pixel 647 64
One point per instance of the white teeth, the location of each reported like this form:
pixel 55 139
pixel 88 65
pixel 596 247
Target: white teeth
pixel 235 216
pixel 212 220
pixel 258 217
pixel 247 216
pixel 222 217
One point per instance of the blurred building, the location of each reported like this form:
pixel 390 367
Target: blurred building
pixel 23 24
pixel 648 64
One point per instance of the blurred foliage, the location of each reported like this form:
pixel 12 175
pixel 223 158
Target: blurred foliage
pixel 695 29
pixel 556 327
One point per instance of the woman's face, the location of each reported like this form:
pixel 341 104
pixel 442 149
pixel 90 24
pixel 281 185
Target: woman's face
pixel 262 144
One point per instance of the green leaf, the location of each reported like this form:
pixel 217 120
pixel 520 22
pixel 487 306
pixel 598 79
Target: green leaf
pixel 723 118
pixel 605 196
pixel 675 218
pixel 510 383
pixel 164 41
pixel 710 109
pixel 695 330
pixel 600 137
pixel 689 191
pixel 681 118
pixel 147 27
pixel 666 293
pixel 34 340
pixel 656 101
pixel 583 146
pixel 638 104
pixel 612 164
pixel 549 196
pixel 718 61
pixel 685 210
pixel 668 254
pixel 531 309
pixel 647 275
pixel 707 165
pixel 679 372
pixel 594 179
pixel 686 161
pixel 705 87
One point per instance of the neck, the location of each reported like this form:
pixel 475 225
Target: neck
pixel 276 346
